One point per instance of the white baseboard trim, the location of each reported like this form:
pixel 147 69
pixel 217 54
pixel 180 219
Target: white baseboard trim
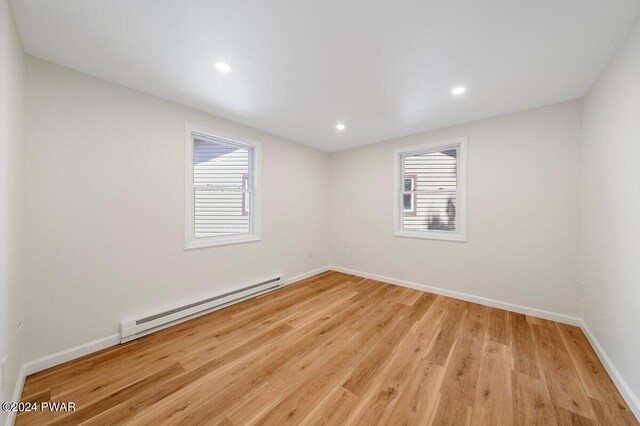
pixel 61 357
pixel 78 351
pixel 17 392
pixel 553 316
pixel 306 275
pixel 627 393
pixel 629 396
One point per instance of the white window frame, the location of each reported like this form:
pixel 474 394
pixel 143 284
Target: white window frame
pixel 460 233
pixel 255 161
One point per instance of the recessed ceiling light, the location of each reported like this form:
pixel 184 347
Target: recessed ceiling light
pixel 457 91
pixel 223 67
pixel 340 127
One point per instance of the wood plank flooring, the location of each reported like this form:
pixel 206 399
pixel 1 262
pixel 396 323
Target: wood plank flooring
pixel 339 349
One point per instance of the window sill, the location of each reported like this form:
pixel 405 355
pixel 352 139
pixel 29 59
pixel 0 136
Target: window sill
pixel 220 241
pixel 432 235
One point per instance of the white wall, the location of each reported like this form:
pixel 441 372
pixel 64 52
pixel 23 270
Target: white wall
pixel 523 202
pixel 105 210
pixel 611 211
pixel 11 154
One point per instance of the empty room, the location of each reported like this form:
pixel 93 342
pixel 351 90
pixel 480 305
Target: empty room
pixel 320 212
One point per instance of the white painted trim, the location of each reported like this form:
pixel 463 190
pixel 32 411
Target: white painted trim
pixel 553 316
pixel 398 180
pixel 625 390
pixel 306 275
pixel 431 235
pixel 17 392
pixel 63 356
pixel 221 241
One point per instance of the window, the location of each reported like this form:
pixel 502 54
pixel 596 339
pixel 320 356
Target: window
pixel 222 184
pixel 430 191
pixel 409 196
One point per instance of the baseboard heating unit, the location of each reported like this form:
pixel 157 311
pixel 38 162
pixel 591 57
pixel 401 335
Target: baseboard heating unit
pixel 130 330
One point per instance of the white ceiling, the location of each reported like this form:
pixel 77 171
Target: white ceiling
pixel 385 68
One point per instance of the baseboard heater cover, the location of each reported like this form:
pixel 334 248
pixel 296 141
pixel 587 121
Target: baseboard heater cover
pixel 130 330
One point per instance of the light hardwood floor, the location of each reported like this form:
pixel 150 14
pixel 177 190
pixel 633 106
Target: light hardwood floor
pixel 339 349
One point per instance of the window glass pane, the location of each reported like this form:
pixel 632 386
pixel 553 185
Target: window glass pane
pixel 435 174
pixel 433 213
pixel 408 184
pixel 407 202
pixel 221 193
